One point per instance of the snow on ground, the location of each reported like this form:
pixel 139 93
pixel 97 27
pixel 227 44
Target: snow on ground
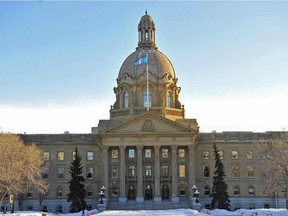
pixel 172 212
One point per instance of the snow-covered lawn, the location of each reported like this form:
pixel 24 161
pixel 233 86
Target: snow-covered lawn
pixel 172 212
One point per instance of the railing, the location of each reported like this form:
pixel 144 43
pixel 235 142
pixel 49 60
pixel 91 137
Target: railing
pixel 138 110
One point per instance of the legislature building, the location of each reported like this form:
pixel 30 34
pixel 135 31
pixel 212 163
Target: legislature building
pixel 147 154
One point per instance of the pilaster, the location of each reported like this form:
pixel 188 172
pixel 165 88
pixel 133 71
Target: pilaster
pixel 122 197
pixel 140 197
pixel 157 197
pixel 174 172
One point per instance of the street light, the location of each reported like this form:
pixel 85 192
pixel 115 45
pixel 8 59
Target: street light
pixel 101 194
pixel 103 189
pixel 196 194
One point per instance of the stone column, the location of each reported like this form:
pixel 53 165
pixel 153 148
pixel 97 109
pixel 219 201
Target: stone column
pixel 191 169
pixel 105 170
pixel 122 172
pixel 174 173
pixel 157 196
pixel 140 197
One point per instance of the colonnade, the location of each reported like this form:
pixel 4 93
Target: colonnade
pixel 157 185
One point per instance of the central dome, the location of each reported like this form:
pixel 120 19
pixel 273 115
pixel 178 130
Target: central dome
pixel 147 80
pixel 158 65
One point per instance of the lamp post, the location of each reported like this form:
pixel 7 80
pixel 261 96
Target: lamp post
pixel 102 203
pixel 195 200
pixel 196 194
pixel 101 194
pixel 12 203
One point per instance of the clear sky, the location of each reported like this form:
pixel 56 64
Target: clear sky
pixel 59 61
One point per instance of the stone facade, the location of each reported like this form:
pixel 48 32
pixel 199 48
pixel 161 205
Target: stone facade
pixel 148 155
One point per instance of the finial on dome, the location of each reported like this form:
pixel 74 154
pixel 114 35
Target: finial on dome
pixel 146 12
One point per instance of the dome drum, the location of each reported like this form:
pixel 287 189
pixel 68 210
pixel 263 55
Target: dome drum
pixel 149 85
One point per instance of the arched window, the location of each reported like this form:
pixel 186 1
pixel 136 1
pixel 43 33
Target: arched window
pixel 125 100
pixel 207 191
pixel 147 98
pixel 168 99
pixel 236 191
pixel 251 191
pixel 182 190
pixel 59 191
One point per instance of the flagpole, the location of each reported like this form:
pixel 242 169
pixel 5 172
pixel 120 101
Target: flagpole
pixel 147 82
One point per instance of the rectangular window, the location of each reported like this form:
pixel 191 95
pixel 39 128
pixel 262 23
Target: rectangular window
pixel 89 173
pixel 148 171
pixel 60 156
pixel 181 153
pixel 60 172
pixel 59 192
pixel 206 171
pixel 46 156
pixel 182 171
pixel 165 153
pixel 235 155
pixel 148 153
pixel 249 154
pixel 221 154
pixel 236 191
pixel 90 156
pixel 45 173
pixel 131 153
pixel 114 153
pixel 165 171
pixel 114 171
pixel 131 171
pixel 89 192
pixel 73 155
pixel 250 171
pixel 235 171
pixel 206 154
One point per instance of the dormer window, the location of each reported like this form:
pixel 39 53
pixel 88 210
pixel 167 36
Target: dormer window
pixel 169 99
pixel 147 98
pixel 125 100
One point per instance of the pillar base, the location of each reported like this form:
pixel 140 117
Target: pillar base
pixel 122 199
pixel 196 206
pixel 101 207
pixel 157 199
pixel 140 199
pixel 175 199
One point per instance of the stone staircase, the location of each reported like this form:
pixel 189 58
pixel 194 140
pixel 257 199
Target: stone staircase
pixel 147 205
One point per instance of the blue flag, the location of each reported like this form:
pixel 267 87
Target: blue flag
pixel 140 61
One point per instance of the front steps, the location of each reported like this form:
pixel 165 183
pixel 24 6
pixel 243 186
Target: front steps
pixel 113 204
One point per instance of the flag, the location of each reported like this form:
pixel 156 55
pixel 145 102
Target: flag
pixel 140 61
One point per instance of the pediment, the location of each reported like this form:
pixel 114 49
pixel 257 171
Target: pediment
pixel 147 123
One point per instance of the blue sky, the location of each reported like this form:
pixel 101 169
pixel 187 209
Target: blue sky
pixel 59 61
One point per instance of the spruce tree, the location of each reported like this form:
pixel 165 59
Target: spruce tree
pixel 220 196
pixel 76 196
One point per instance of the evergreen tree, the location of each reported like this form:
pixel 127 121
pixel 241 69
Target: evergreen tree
pixel 220 197
pixel 76 196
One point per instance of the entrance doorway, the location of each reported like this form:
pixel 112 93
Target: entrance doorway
pixel 148 192
pixel 131 192
pixel 165 191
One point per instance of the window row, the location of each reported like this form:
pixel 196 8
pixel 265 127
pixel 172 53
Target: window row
pixel 61 155
pixel 61 170
pixel 236 191
pixel 235 171
pixel 234 154
pixel 147 99
pixel 60 193
pixel 147 153
pixel 148 171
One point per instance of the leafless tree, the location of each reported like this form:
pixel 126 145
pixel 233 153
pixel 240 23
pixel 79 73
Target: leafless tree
pixel 274 166
pixel 20 167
